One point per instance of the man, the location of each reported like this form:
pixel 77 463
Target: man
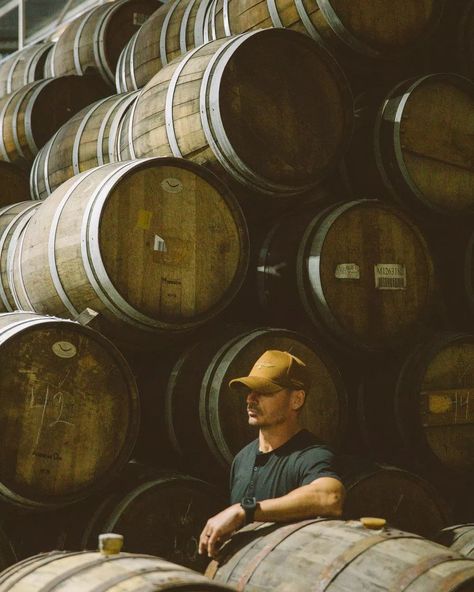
pixel 286 474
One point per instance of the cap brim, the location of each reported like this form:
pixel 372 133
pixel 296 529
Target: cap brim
pixel 255 383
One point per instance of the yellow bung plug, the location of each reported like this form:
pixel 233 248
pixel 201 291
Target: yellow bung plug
pixel 374 523
pixel 110 543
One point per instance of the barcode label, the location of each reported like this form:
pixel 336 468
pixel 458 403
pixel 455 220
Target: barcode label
pixel 139 19
pixel 390 276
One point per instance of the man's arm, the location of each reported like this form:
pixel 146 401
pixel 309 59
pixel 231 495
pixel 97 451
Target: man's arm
pixel 323 497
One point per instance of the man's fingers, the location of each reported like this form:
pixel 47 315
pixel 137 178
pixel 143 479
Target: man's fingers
pixel 213 544
pixel 203 541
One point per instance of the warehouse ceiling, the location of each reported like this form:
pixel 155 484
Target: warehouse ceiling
pixel 39 16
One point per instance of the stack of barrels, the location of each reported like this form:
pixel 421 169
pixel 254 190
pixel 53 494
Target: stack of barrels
pixel 209 180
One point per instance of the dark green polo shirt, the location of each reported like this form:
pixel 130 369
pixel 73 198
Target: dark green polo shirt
pixel 266 475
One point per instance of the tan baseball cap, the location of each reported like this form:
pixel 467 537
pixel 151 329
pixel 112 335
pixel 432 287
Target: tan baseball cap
pixel 273 371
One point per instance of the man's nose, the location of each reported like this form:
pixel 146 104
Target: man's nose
pixel 252 397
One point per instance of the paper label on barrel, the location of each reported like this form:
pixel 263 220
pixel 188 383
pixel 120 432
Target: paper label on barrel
pixel 172 185
pixel 347 271
pixel 139 19
pixel 144 219
pixel 447 407
pixel 390 276
pixel 159 244
pixel 64 349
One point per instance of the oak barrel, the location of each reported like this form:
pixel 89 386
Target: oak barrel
pixel 162 516
pixel 198 387
pixel 155 246
pixel 171 31
pixel 23 66
pixel 85 141
pixel 14 185
pixel 404 499
pixel 13 219
pixel 378 30
pixel 459 538
pixel 360 271
pixel 87 570
pixel 95 39
pixel 31 115
pixel 71 387
pixel 333 555
pixel 423 144
pixel 189 110
pixel 421 405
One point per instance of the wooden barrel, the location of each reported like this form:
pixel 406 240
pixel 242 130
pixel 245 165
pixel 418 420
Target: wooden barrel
pixel 83 571
pixel 8 556
pixel 31 115
pixel 95 40
pixel 367 292
pixel 171 31
pixel 13 220
pixel 283 135
pixel 85 141
pixel 469 273
pixel 198 387
pixel 14 185
pixel 466 40
pixel 23 67
pixel 148 265
pixel 162 516
pixel 459 538
pixel 404 499
pixel 378 31
pixel 423 144
pixel 71 386
pixel 427 397
pixel 336 555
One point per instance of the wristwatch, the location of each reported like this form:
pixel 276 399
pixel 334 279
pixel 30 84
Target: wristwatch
pixel 249 504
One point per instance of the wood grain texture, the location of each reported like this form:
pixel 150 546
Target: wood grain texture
pixel 87 140
pixel 87 570
pixel 23 67
pixel 424 146
pixel 360 271
pixel 459 538
pixel 382 30
pixel 178 258
pixel 405 500
pixel 433 399
pixel 198 386
pixel 72 386
pixel 95 40
pixel 258 79
pixel 466 40
pixel 171 31
pixel 337 556
pixel 161 516
pixel 31 115
pixel 12 220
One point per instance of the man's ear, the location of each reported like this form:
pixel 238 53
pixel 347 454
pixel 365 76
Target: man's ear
pixel 298 399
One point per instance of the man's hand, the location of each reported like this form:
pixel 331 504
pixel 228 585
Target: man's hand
pixel 219 528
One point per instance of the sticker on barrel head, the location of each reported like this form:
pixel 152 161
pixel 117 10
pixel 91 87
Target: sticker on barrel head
pixel 390 276
pixel 347 271
pixel 64 349
pixel 447 407
pixel 144 219
pixel 159 244
pixel 139 19
pixel 172 185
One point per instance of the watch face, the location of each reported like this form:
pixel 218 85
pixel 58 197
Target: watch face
pixel 249 502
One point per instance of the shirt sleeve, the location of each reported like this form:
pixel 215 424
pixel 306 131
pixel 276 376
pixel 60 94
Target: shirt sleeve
pixel 315 462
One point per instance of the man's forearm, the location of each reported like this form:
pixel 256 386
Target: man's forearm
pixel 304 502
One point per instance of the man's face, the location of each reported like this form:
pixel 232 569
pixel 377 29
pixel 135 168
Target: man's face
pixel 268 410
